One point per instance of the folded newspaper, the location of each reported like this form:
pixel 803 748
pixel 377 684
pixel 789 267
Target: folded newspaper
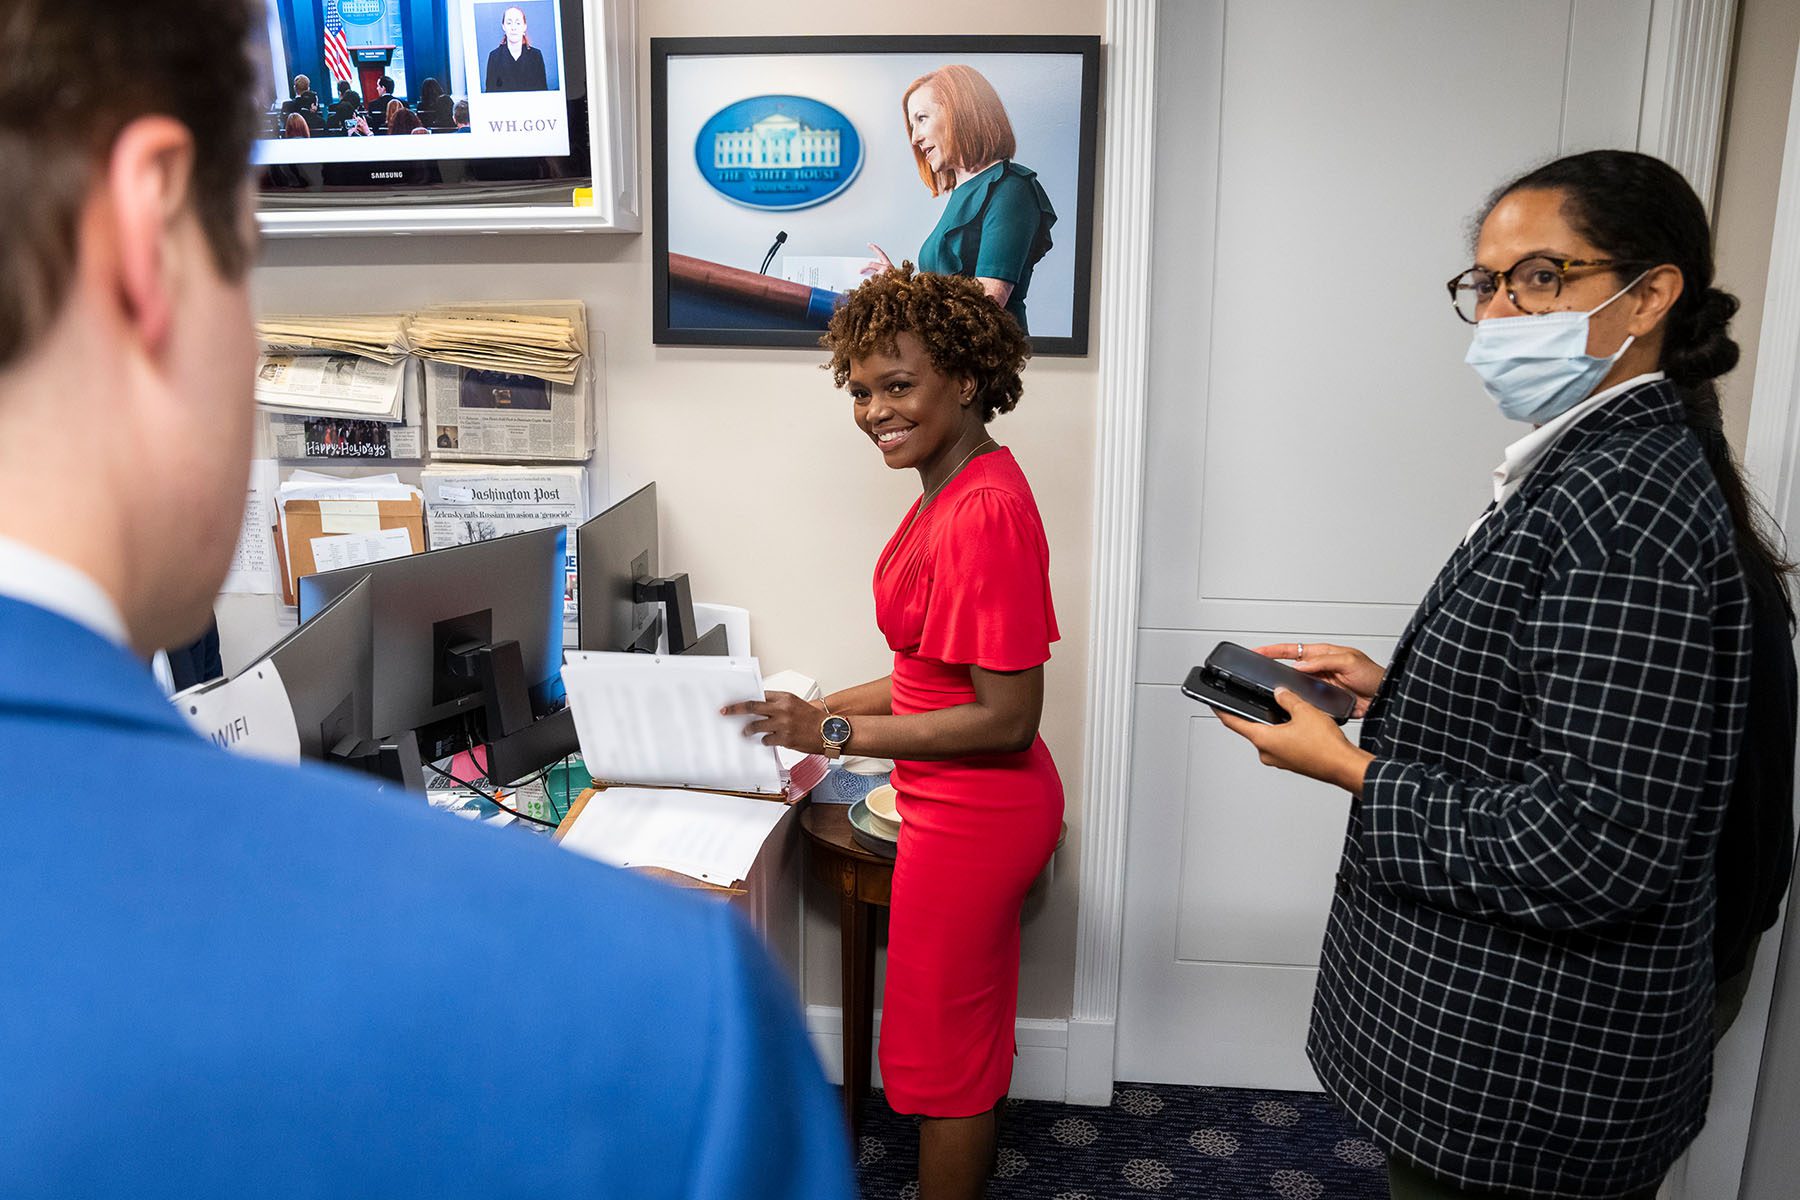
pixel 380 336
pixel 332 437
pixel 475 504
pixel 338 385
pixel 545 339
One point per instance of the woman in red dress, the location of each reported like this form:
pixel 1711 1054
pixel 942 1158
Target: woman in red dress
pixel 962 594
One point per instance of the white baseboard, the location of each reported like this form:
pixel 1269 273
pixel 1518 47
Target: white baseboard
pixel 1090 1047
pixel 1039 1073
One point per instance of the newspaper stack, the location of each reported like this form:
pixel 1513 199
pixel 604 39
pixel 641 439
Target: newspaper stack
pixel 511 383
pixel 547 340
pixel 380 336
pixel 353 367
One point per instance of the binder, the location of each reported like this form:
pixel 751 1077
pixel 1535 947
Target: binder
pixel 652 720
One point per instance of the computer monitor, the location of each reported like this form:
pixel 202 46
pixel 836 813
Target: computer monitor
pixel 327 667
pixel 467 650
pixel 626 602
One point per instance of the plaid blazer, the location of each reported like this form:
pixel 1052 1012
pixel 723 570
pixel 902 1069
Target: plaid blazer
pixel 1516 984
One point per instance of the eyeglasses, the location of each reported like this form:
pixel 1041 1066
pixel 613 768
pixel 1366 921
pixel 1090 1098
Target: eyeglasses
pixel 1532 284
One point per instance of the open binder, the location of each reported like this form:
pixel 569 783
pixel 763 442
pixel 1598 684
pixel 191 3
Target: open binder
pixel 651 720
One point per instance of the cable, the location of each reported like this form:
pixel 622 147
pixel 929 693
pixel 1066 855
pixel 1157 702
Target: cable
pixel 490 798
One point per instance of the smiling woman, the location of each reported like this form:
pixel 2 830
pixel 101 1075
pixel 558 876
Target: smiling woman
pixel 962 595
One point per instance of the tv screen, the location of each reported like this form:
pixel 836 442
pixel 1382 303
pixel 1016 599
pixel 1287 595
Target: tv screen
pixel 467 100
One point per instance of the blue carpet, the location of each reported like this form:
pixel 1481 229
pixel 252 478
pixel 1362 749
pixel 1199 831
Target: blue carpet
pixel 1155 1139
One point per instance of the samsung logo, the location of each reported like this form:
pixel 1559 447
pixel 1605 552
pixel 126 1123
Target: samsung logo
pixel 387 174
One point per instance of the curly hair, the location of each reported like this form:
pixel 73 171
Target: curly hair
pixel 964 332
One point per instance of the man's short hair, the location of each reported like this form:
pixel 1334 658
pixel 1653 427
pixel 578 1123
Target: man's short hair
pixel 387 83
pixel 302 84
pixel 82 70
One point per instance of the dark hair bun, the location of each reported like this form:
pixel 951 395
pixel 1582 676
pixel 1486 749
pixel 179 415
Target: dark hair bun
pixel 1698 348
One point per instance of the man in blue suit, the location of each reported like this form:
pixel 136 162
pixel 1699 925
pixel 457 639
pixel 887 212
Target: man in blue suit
pixel 225 978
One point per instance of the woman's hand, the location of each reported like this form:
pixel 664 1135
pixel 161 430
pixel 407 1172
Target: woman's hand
pixel 1349 669
pixel 881 262
pixel 1309 744
pixel 783 719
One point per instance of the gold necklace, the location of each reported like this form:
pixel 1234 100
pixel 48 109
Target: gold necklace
pixel 932 494
pixel 956 470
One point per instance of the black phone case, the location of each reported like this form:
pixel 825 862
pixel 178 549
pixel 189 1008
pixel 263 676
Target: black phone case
pixel 1240 702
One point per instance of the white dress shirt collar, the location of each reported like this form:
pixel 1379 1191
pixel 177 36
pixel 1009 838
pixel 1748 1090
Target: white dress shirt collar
pixel 33 577
pixel 1529 450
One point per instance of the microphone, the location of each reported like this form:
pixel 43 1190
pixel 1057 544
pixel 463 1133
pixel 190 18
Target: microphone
pixel 770 256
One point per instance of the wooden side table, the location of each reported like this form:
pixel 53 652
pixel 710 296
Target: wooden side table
pixel 864 882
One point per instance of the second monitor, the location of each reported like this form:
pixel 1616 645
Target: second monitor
pixel 626 603
pixel 467 650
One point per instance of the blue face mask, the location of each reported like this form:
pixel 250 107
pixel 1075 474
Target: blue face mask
pixel 1538 367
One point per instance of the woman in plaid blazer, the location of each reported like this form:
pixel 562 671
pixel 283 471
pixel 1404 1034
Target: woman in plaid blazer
pixel 1516 983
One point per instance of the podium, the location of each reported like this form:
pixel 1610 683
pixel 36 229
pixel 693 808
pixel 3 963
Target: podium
pixel 371 64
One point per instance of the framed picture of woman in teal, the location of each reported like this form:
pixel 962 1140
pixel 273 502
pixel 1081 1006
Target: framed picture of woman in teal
pixel 788 170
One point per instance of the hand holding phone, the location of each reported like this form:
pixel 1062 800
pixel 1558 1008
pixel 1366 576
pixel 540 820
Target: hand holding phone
pixel 1243 682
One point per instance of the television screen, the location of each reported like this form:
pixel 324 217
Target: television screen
pixel 467 96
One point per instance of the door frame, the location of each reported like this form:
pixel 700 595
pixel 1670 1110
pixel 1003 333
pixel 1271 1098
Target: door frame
pixel 1757 1132
pixel 1687 81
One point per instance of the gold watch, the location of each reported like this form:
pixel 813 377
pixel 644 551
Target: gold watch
pixel 834 732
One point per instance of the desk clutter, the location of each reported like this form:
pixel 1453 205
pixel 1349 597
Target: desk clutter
pixel 476 669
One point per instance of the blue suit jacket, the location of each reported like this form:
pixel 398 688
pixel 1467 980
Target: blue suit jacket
pixel 225 978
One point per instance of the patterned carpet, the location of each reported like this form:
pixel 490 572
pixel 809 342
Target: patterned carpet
pixel 1155 1140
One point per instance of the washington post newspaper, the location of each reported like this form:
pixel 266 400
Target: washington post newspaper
pixel 474 504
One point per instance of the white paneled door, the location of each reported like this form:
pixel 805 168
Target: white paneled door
pixel 1316 447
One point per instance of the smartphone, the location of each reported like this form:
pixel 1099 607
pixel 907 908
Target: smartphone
pixel 1234 669
pixel 1200 685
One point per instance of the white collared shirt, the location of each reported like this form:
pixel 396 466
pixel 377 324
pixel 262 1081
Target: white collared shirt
pixel 33 577
pixel 1529 450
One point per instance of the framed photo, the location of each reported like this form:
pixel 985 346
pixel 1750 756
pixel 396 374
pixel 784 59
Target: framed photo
pixel 787 169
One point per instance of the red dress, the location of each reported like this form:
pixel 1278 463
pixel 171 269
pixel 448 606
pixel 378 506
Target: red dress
pixel 966 582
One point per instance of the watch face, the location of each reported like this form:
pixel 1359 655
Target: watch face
pixel 835 730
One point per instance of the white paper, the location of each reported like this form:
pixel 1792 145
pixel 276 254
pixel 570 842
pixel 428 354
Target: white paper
pixel 828 272
pixel 253 563
pixel 350 516
pixel 250 715
pixel 650 719
pixel 700 834
pixel 355 549
pixel 301 475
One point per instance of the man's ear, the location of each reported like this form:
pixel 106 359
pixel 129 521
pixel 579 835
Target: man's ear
pixel 148 176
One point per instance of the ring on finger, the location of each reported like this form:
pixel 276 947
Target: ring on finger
pixel 1300 652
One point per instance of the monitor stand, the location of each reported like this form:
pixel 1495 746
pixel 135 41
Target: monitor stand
pixel 676 600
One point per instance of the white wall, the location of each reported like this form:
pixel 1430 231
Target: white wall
pixel 770 497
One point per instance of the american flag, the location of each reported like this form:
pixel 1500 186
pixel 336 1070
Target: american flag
pixel 337 50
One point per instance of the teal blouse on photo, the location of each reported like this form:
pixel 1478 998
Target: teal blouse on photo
pixel 995 225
